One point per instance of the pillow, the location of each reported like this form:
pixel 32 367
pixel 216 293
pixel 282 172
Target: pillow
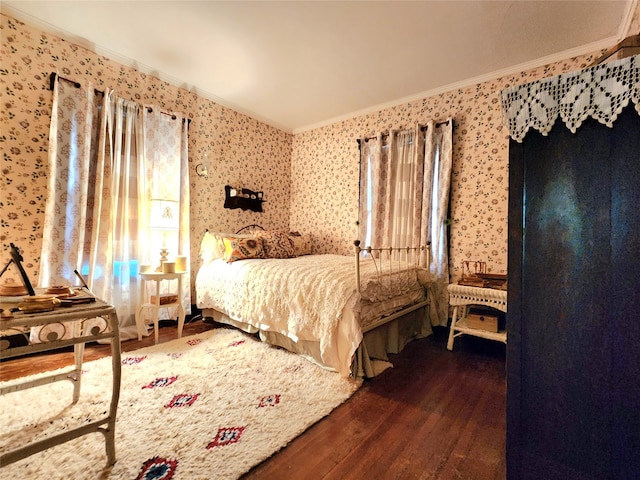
pixel 302 244
pixel 212 245
pixel 208 248
pixel 238 248
pixel 276 244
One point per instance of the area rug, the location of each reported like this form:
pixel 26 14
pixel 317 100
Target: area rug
pixel 208 406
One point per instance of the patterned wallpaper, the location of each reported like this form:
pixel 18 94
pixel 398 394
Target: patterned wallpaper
pixel 235 145
pixel 324 165
pixel 310 180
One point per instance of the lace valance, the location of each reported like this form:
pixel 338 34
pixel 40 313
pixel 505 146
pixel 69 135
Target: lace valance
pixel 600 92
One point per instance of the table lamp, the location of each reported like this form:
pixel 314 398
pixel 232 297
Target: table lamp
pixel 164 217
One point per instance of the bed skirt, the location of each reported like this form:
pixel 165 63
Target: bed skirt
pixel 371 357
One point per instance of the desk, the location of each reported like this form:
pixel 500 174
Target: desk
pixel 63 327
pixel 158 278
pixel 464 296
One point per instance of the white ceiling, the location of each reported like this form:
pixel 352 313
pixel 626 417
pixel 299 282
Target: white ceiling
pixel 301 64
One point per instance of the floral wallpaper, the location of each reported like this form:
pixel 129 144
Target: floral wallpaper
pixel 324 169
pixel 310 179
pixel 235 146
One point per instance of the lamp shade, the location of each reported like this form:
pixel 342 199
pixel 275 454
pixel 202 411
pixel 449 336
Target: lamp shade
pixel 165 215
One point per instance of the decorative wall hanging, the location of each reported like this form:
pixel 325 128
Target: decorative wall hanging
pixel 243 198
pixel 600 92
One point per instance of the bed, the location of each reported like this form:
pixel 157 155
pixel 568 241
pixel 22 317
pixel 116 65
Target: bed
pixel 345 313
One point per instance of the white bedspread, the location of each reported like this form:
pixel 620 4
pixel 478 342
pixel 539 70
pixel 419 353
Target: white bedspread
pixel 303 298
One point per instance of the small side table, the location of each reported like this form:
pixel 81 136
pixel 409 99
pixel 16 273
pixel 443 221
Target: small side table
pixel 464 296
pixel 158 277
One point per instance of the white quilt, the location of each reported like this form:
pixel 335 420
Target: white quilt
pixel 302 298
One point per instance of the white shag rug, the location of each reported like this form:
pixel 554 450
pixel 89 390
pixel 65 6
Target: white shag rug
pixel 208 406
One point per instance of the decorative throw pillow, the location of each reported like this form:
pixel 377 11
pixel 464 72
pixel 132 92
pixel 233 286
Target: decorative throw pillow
pixel 276 244
pixel 208 248
pixel 236 248
pixel 302 244
pixel 212 245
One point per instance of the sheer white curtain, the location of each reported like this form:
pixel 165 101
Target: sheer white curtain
pixel 391 188
pixel 166 171
pixel 100 184
pixel 438 155
pixel 404 198
pixel 114 250
pixel 92 206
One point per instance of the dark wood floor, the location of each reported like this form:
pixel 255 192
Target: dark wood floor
pixel 435 415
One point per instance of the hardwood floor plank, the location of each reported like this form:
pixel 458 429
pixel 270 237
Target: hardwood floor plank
pixel 436 415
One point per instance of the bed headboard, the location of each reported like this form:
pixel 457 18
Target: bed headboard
pixel 250 228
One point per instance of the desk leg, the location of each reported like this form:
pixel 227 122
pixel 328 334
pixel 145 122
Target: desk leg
pixel 116 364
pixel 78 353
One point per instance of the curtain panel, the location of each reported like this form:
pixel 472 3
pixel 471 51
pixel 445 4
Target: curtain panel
pixel 70 151
pixel 100 185
pixel 165 153
pixel 404 198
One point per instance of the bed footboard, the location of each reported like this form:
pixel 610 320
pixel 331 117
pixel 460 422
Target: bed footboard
pixel 392 259
pixel 407 323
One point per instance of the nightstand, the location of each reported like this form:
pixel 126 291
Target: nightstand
pixel 461 297
pixel 155 306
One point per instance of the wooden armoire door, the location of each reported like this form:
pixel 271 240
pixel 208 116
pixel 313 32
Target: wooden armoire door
pixel 573 357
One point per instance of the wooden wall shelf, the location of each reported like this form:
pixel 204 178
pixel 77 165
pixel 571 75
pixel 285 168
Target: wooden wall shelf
pixel 243 198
